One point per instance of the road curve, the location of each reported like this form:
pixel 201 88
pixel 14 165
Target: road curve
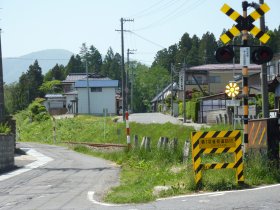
pixel 62 183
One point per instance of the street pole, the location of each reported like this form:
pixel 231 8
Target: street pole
pixel 122 67
pixel 131 91
pixel 88 95
pixel 245 89
pixel 123 73
pixel 184 93
pixel 264 86
pixel 126 81
pixel 131 80
pixel 172 66
pixel 2 111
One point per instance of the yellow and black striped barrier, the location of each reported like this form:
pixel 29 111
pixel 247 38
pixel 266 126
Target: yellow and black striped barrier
pixel 217 142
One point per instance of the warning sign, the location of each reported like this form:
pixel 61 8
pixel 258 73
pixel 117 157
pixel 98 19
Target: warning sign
pixel 221 142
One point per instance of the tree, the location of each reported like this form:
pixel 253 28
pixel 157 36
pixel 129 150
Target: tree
pixel 193 56
pixel 75 65
pixel 53 86
pixel 29 84
pixel 56 73
pixel 111 66
pixel 184 46
pixel 207 48
pixel 13 98
pixel 145 86
pixel 93 58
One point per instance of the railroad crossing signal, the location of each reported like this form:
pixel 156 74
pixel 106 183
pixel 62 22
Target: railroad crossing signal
pixel 245 23
pixel 232 89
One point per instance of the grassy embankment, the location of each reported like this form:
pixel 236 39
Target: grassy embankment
pixel 141 170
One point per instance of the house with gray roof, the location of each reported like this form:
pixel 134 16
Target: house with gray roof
pixel 96 96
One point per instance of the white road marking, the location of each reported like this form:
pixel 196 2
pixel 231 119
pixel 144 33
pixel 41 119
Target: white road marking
pixel 209 194
pixel 91 199
pixel 40 161
pixel 217 194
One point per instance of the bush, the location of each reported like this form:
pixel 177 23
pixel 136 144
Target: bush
pixel 5 129
pixel 192 110
pixel 38 111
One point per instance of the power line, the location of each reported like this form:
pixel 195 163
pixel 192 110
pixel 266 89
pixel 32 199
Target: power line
pixel 152 9
pixel 177 12
pixel 152 42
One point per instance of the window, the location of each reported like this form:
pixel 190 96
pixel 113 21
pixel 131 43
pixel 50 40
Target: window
pixel 215 79
pixel 96 89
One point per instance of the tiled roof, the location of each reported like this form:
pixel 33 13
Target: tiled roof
pixel 209 67
pixel 54 96
pixel 96 83
pixel 71 78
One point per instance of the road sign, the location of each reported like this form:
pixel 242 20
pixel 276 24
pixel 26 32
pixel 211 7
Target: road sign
pixel 217 142
pixel 233 103
pixel 232 89
pixel 244 56
pixel 245 23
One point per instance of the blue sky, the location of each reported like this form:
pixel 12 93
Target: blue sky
pixel 33 25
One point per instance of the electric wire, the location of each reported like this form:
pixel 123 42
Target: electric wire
pixel 152 42
pixel 154 10
pixel 179 11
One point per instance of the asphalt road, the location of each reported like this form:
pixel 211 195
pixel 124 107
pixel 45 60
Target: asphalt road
pixel 58 178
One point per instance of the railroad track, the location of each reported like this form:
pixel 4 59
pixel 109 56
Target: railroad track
pixel 97 144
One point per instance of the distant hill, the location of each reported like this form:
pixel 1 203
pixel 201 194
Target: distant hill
pixel 47 59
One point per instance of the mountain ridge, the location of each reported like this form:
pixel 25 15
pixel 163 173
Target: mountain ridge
pixel 13 67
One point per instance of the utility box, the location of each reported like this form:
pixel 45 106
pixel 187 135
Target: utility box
pixel 264 137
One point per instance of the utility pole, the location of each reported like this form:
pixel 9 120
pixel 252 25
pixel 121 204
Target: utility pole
pixel 172 68
pixel 264 86
pixel 127 78
pixel 184 92
pixel 124 108
pixel 2 113
pixel 88 95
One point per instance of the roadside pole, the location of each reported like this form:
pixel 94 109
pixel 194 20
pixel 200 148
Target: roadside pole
pixel 245 70
pixel 54 130
pixel 127 131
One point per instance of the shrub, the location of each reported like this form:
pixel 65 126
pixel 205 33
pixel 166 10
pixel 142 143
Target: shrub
pixel 38 111
pixel 5 129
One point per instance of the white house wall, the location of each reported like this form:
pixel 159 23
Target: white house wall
pixel 98 101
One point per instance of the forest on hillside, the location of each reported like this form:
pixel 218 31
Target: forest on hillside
pixel 147 81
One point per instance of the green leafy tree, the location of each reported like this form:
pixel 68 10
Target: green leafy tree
pixel 193 56
pixel 29 84
pixel 207 48
pixel 111 66
pixel 53 86
pixel 93 58
pixel 148 83
pixel 74 65
pixel 13 98
pixel 56 73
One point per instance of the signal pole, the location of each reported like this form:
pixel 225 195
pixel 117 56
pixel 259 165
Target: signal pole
pixel 124 108
pixel 245 89
pixel 264 86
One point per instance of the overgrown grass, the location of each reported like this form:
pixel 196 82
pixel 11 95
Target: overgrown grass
pixel 141 171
